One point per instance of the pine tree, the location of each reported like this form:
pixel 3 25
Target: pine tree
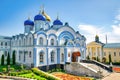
pixel 13 58
pixel 110 58
pixel 88 57
pixel 98 59
pixel 2 60
pixel 8 59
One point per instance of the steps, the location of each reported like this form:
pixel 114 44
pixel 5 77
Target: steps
pixel 97 68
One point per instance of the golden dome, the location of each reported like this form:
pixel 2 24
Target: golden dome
pixel 46 16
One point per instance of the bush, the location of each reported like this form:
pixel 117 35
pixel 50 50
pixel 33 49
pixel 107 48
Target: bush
pixel 4 69
pixel 8 59
pixel 2 60
pixel 43 74
pixel 12 69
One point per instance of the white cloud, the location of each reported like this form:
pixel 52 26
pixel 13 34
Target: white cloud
pixel 116 29
pixel 91 30
pixel 117 17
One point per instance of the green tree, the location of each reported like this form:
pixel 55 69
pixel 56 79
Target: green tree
pixel 13 58
pixel 110 60
pixel 98 58
pixel 88 57
pixel 2 60
pixel 8 59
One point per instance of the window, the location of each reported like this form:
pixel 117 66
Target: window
pixel 30 54
pixel 24 57
pixel 24 42
pixel 19 56
pixel 41 41
pixel 5 43
pixel 52 56
pixel 1 43
pixel 19 43
pixel 52 41
pixel 114 53
pixel 41 57
pixel 104 53
pixel 62 56
pixel 5 53
pixel 30 41
pixel 119 53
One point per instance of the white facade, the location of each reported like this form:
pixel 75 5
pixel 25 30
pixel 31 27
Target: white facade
pixel 42 44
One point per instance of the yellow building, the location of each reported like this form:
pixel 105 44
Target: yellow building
pixel 112 49
pixel 97 49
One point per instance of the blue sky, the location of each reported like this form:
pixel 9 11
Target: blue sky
pixel 89 17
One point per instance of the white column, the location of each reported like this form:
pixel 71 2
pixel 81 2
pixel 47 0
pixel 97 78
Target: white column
pixel 90 52
pixel 100 54
pixel 96 52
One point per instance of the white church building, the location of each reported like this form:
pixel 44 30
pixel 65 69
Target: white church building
pixel 45 44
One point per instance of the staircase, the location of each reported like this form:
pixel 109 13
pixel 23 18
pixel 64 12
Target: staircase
pixel 104 72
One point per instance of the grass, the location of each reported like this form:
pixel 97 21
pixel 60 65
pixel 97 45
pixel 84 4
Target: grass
pixel 32 75
pixel 11 66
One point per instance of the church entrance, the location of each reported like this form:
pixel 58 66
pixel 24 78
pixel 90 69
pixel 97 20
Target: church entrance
pixel 75 56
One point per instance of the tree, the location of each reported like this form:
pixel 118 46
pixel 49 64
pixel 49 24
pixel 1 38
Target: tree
pixel 110 58
pixel 13 58
pixel 98 59
pixel 8 59
pixel 88 57
pixel 2 60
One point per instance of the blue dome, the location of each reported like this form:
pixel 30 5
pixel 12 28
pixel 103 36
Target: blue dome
pixel 29 22
pixel 39 17
pixel 57 22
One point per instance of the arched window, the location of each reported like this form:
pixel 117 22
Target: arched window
pixel 30 54
pixel 19 43
pixel 19 55
pixel 5 53
pixel 62 57
pixel 30 41
pixel 24 56
pixel 52 56
pixel 52 41
pixel 24 41
pixel 41 41
pixel 41 57
pixel 1 43
pixel 5 43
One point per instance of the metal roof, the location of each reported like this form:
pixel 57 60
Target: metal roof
pixel 112 45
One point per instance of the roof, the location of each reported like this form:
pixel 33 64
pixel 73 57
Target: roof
pixel 5 37
pixel 112 45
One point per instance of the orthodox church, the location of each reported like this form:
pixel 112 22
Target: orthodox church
pixel 45 44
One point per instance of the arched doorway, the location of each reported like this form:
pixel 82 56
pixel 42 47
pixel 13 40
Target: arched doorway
pixel 75 56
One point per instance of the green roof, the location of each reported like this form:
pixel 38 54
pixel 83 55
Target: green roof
pixel 112 45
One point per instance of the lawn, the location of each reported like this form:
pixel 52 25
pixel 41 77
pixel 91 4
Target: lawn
pixel 64 76
pixel 13 67
pixel 32 75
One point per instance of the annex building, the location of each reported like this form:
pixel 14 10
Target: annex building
pixel 98 50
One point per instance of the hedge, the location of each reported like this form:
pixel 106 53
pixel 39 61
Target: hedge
pixel 44 74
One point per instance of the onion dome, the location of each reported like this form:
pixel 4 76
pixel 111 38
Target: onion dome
pixel 57 22
pixel 29 22
pixel 39 17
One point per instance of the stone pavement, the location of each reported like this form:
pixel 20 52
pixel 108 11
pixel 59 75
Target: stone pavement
pixel 112 76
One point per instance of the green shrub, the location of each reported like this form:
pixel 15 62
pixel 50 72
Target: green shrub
pixel 4 69
pixel 43 74
pixel 12 69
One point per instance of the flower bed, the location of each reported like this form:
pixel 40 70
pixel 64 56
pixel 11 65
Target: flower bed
pixel 116 69
pixel 64 76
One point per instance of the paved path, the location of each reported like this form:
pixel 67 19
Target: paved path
pixel 112 76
